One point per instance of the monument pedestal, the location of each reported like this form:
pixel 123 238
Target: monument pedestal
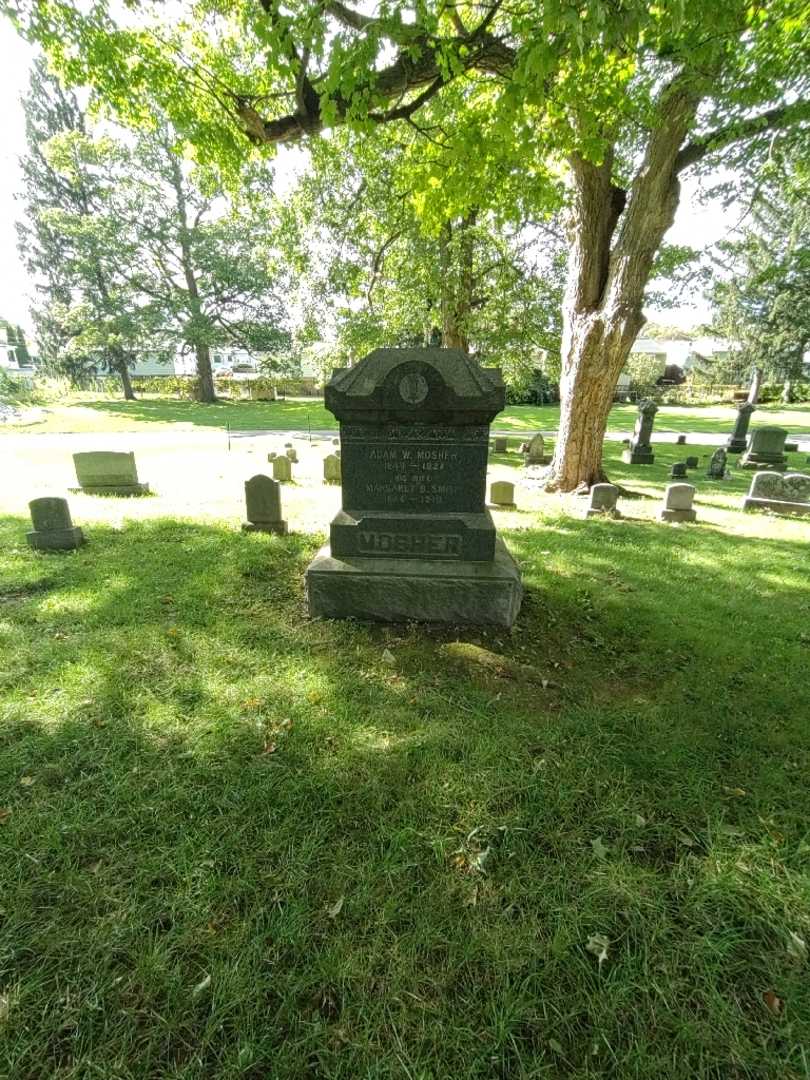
pixel 55 539
pixel 642 456
pixel 401 590
pixel 111 489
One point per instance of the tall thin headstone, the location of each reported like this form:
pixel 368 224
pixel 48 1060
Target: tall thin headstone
pixel 640 449
pixel 414 539
pixel 737 439
pixel 53 529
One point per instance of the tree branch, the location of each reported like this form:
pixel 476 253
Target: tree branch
pixel 782 116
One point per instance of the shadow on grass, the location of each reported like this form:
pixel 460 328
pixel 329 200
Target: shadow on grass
pixel 239 415
pixel 240 843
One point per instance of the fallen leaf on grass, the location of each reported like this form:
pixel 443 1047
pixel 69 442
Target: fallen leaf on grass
pixel 26 781
pixel 556 1046
pixel 684 838
pixel 599 849
pixel 202 985
pixel 773 1003
pixel 4 816
pixel 598 945
pixel 336 908
pixel 640 821
pixel 797 948
pixel 737 792
pixel 269 748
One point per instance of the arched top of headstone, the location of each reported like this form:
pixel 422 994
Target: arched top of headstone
pixel 426 385
pixel 647 407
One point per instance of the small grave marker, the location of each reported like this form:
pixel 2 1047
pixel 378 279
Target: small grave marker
pixel 53 529
pixel 678 499
pixel 263 501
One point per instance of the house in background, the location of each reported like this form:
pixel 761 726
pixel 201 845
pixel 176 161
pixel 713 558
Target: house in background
pixel 683 353
pixel 8 358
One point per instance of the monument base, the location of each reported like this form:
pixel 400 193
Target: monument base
pixel 401 590
pixel 761 463
pixel 776 506
pixel 112 489
pixel 638 457
pixel 606 513
pixel 56 539
pixel 278 527
pixel 735 446
pixel 677 515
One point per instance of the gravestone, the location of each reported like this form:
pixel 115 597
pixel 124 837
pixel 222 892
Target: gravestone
pixel 501 444
pixel 107 472
pixel 413 539
pixel 292 454
pixel 335 442
pixel 692 462
pixel 737 439
pixel 640 450
pixel 717 464
pixel 272 455
pixel 331 469
pixel 765 450
pixel 53 529
pixel 681 440
pixel 678 471
pixel 534 454
pixel 282 470
pixel 602 501
pixel 784 494
pixel 677 506
pixel 263 500
pixel 502 495
pixel 791 447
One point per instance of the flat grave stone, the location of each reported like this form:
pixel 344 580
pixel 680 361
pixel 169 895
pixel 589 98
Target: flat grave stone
pixel 108 472
pixel 282 469
pixel 53 529
pixel 414 539
pixel 602 501
pixel 502 495
pixel 331 469
pixel 678 499
pixel 787 493
pixel 263 502
pixel 765 450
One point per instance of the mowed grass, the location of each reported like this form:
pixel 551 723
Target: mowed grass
pixel 82 413
pixel 238 843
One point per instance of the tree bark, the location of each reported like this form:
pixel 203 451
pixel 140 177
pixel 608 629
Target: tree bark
pixel 614 237
pixel 456 253
pixel 122 367
pixel 205 376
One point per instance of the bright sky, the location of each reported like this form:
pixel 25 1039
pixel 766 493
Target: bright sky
pixel 696 226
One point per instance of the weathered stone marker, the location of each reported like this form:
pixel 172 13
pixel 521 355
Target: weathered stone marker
pixel 681 440
pixel 791 447
pixel 282 469
pixel 717 465
pixel 692 462
pixel 272 455
pixel 678 471
pixel 53 529
pixel 640 450
pixel 737 439
pixel 502 495
pixel 108 472
pixel 263 500
pixel 292 454
pixel 677 506
pixel 766 450
pixel 535 451
pixel 414 539
pixel 331 469
pixel 602 502
pixel 784 494
pixel 501 444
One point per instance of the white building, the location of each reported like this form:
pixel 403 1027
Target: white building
pixel 683 353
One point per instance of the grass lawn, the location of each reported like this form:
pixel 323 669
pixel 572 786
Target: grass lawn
pixel 84 413
pixel 236 843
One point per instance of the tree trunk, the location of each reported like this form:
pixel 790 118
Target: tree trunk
pixel 606 279
pixel 122 367
pixel 456 251
pixel 205 377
